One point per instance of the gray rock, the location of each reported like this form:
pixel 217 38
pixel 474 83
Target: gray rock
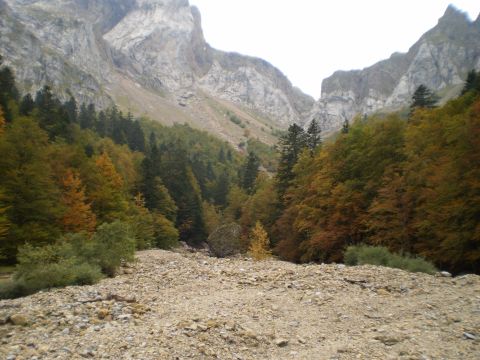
pixel 280 342
pixel 445 274
pixel 469 336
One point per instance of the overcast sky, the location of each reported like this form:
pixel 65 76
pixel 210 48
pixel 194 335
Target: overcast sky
pixel 309 39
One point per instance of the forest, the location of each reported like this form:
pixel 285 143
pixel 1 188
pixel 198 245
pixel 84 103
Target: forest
pixel 81 189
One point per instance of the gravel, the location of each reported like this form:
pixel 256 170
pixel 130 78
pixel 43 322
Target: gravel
pixel 180 305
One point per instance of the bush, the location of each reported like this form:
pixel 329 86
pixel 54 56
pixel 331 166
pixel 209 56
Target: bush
pixel 112 244
pixel 47 267
pixel 75 259
pixel 165 233
pixel 225 240
pixel 381 256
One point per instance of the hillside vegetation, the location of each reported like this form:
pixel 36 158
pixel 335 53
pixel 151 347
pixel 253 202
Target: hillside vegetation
pixel 409 184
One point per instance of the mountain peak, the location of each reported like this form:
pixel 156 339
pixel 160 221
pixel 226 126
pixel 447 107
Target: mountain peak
pixel 452 14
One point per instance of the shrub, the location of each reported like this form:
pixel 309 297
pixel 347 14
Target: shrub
pixel 47 267
pixel 112 244
pixel 165 233
pixel 225 240
pixel 381 256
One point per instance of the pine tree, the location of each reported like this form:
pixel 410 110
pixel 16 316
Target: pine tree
pixel 78 215
pixel 423 97
pixel 250 172
pixel 259 243
pixel 8 90
pixel 26 105
pixel 346 127
pixel 291 146
pixel 313 136
pixel 136 140
pixel 71 109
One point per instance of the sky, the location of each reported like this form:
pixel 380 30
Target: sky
pixel 310 39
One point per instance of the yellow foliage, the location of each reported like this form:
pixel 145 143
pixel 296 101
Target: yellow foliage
pixel 259 243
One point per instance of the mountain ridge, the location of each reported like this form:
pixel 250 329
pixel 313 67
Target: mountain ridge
pixel 440 59
pixel 151 58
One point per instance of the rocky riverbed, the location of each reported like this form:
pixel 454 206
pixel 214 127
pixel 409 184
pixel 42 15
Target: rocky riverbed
pixel 179 305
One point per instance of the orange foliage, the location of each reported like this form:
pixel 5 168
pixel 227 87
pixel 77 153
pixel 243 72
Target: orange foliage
pixel 78 214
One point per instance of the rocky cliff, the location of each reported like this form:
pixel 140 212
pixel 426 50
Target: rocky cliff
pixel 440 59
pixel 148 56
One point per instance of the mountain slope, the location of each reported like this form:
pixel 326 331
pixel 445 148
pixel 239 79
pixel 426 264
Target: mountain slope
pixel 148 56
pixel 440 59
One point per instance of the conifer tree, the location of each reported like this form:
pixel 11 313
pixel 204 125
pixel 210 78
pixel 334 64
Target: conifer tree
pixel 250 172
pixel 78 215
pixel 259 243
pixel 346 127
pixel 71 109
pixel 313 136
pixel 423 97
pixel 291 146
pixel 26 105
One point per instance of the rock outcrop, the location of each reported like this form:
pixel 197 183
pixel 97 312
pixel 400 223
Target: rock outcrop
pixel 189 306
pixel 139 53
pixel 440 59
pixel 150 57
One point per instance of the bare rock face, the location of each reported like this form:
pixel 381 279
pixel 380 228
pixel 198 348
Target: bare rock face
pixel 440 60
pixel 102 51
pixel 150 57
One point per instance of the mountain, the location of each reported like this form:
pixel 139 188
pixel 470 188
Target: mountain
pixel 440 59
pixel 149 57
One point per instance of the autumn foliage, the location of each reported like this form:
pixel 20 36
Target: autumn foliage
pixel 259 243
pixel 78 215
pixel 413 187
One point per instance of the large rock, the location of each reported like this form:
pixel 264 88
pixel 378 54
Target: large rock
pixel 225 240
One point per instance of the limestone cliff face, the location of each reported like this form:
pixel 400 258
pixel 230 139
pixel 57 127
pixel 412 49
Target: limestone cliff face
pixel 91 46
pixel 440 59
pixel 150 57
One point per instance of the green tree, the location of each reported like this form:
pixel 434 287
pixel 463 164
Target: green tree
pixel 31 196
pixel 314 139
pixel 291 146
pixel 423 97
pixel 250 172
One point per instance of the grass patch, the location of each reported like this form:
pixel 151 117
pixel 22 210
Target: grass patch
pixel 381 256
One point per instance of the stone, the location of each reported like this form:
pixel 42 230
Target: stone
pixel 445 274
pixel 19 319
pixel 281 342
pixel 102 313
pixel 469 336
